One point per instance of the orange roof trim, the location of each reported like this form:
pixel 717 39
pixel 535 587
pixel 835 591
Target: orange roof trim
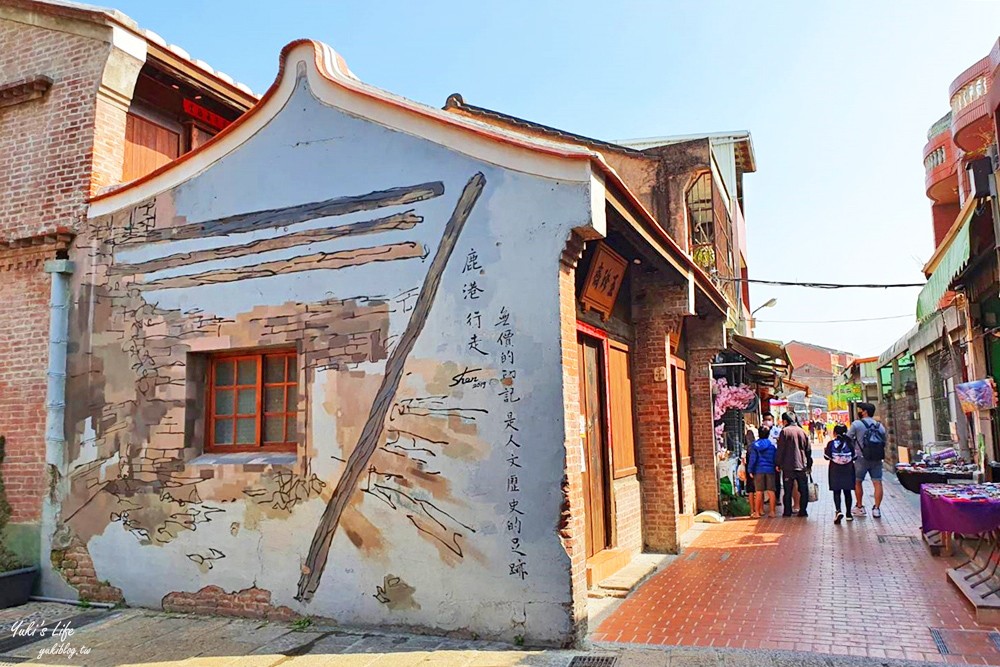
pixel 333 68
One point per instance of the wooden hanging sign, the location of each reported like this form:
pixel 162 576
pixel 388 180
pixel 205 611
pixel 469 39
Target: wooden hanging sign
pixel 604 280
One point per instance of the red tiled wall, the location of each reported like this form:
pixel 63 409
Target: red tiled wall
pixel 944 217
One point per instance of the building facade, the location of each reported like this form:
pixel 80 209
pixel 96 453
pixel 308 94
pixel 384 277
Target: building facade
pixel 87 99
pixel 355 379
pixel 954 341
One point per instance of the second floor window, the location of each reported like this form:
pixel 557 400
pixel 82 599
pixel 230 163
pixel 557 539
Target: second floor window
pixel 699 206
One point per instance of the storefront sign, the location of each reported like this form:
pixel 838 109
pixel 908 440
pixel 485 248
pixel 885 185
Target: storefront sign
pixel 607 269
pixel 846 393
pixel 204 115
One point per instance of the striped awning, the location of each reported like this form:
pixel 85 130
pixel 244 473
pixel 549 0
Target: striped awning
pixel 949 261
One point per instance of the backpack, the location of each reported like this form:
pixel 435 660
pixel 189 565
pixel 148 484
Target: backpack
pixel 873 441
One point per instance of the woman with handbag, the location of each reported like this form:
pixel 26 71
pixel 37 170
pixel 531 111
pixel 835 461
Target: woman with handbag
pixel 840 453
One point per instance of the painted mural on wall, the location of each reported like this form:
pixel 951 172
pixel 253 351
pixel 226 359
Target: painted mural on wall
pixel 415 477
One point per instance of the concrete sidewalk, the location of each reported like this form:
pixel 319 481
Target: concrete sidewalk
pixel 142 637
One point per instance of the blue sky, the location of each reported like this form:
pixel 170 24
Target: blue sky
pixel 838 97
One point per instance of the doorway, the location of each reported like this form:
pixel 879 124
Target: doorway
pixel 682 425
pixel 595 478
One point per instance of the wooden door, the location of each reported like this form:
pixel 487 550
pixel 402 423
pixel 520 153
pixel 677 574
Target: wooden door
pixel 682 425
pixel 595 478
pixel 620 407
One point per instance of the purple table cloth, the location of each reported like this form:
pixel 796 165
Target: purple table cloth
pixel 966 517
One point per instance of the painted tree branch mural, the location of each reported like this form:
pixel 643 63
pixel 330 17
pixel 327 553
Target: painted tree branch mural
pixel 359 459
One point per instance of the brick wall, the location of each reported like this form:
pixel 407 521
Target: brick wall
pixel 48 141
pixel 24 295
pixel 248 603
pixel 657 311
pixel 628 514
pixel 705 338
pixel 572 526
pixel 57 150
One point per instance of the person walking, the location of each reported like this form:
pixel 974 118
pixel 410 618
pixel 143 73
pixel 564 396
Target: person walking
pixel 841 455
pixel 794 461
pixel 869 440
pixel 760 468
pixel 767 421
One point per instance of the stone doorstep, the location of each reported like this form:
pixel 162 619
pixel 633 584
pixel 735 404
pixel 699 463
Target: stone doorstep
pixel 630 577
pixel 987 609
pixel 602 565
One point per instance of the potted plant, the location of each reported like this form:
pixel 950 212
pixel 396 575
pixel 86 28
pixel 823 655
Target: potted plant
pixel 16 580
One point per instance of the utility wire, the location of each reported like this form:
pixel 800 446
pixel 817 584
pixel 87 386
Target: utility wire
pixel 782 283
pixel 863 319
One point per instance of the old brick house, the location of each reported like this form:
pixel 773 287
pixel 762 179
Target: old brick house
pixel 360 378
pixel 87 99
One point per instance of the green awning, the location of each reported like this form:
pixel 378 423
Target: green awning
pixel 954 259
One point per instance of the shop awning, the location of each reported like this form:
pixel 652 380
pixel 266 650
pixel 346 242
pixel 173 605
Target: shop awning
pixel 898 349
pixel 948 261
pixel 763 353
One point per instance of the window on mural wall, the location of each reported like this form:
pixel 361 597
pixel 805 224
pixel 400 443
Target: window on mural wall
pixel 252 399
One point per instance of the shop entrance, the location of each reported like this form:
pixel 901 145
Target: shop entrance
pixel 596 484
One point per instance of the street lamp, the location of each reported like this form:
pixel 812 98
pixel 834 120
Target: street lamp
pixel 767 304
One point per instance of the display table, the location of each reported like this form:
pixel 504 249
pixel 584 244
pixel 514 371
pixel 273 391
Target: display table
pixel 967 509
pixel 912 479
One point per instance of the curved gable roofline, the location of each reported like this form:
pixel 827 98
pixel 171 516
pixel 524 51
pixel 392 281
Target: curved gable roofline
pixel 331 81
pixel 334 84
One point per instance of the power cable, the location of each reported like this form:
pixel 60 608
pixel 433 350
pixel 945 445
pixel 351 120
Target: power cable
pixel 863 319
pixel 782 283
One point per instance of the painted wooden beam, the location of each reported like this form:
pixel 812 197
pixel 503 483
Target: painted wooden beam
pixel 320 260
pixel 283 217
pixel 406 220
pixel 357 462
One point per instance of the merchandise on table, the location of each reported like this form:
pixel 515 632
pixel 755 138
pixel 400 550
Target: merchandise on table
pixel 965 509
pixel 914 475
pixel 964 492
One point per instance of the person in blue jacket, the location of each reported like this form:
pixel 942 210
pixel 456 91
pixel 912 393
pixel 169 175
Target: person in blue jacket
pixel 760 467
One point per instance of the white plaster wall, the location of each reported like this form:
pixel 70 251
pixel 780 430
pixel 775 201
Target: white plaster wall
pixel 310 152
pixel 924 396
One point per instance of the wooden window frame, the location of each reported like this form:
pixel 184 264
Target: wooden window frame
pixel 291 358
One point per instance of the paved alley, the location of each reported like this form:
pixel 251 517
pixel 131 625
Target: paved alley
pixel 868 588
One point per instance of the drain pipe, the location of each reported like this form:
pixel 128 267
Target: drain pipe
pixel 55 393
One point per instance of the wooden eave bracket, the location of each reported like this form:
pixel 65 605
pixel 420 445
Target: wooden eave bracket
pixel 24 90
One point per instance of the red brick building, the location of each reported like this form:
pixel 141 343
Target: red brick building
pixel 816 365
pixel 87 100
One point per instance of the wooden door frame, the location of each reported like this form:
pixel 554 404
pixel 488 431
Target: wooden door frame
pixel 604 344
pixel 678 364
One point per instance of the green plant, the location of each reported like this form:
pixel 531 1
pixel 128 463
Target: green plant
pixel 8 561
pixel 519 640
pixel 302 624
pixel 704 256
pixel 85 602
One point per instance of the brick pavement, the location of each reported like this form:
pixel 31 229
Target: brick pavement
pixel 806 584
pixel 143 638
